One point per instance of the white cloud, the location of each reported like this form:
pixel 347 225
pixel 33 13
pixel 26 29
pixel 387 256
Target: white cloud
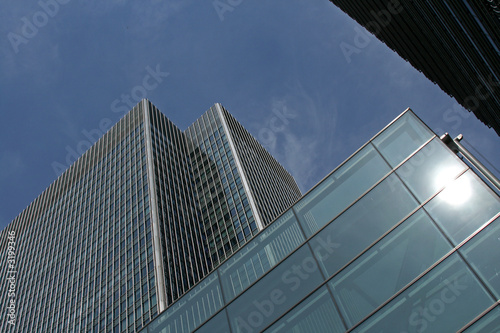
pixel 300 133
pixel 36 53
pixel 70 128
pixel 301 156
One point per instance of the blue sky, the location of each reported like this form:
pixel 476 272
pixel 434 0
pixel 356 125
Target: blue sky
pixel 277 66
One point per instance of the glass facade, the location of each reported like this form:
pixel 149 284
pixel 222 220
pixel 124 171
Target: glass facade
pixel 461 41
pixel 84 246
pixel 266 177
pixel 241 186
pixel 402 237
pixel 133 224
pixel 184 256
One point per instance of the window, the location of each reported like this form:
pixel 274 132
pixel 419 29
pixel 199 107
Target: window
pixel 340 189
pixel 449 291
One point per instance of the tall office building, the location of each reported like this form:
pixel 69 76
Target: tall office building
pixel 401 237
pixel 242 187
pixel 455 43
pixel 137 221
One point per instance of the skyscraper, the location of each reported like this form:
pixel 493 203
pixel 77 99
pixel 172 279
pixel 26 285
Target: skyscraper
pixel 456 44
pixel 136 221
pixel 401 237
pixel 242 187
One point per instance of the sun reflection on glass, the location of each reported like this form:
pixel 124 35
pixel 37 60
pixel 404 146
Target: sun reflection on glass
pixel 457 192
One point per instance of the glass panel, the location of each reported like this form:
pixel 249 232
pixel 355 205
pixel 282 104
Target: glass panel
pixel 260 255
pixel 463 206
pixel 430 169
pixel 482 252
pixel 387 267
pixel 340 189
pixel 192 309
pixel 402 138
pixel 217 324
pixel 489 323
pixel 358 227
pixel 277 292
pixel 444 300
pixel 315 314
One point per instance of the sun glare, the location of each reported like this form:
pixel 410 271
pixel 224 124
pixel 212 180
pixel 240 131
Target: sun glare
pixel 457 192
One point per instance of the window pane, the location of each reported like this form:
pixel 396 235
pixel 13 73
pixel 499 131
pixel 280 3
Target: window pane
pixel 277 292
pixel 358 227
pixel 482 252
pixel 339 190
pixel 463 206
pixel 315 314
pixel 260 255
pixel 217 324
pixel 490 323
pixel 444 300
pixel 192 309
pixel 387 267
pixel 430 169
pixel 402 138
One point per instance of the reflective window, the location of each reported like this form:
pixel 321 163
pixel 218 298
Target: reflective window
pixel 192 309
pixel 277 292
pixel 358 227
pixel 463 206
pixel 489 323
pixel 340 189
pixel 402 138
pixel 217 324
pixel 479 253
pixel 430 169
pixel 261 254
pixel 387 267
pixel 444 300
pixel 315 314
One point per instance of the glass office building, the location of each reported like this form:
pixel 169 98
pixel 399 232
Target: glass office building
pixel 242 187
pixel 401 237
pixel 455 43
pixel 129 227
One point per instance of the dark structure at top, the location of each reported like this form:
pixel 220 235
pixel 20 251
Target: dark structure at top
pixel 455 43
